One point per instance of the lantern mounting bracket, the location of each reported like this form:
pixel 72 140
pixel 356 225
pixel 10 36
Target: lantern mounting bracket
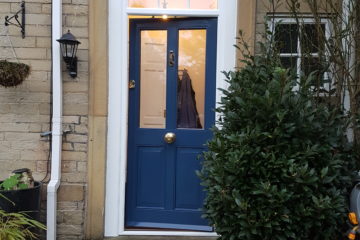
pixel 16 18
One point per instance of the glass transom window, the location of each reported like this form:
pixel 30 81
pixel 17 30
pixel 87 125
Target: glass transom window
pixel 174 4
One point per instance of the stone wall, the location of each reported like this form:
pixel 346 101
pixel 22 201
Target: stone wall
pixel 25 111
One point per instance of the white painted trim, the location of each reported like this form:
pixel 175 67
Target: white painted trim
pixel 165 233
pixel 226 52
pixel 118 100
pixel 172 12
pixel 117 119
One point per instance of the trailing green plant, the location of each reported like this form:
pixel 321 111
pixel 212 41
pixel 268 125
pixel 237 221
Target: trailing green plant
pixel 279 164
pixel 13 182
pixel 12 73
pixel 18 226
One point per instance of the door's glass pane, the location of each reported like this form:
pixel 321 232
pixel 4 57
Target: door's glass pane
pixel 203 4
pixel 286 37
pixel 191 81
pixel 143 3
pixel 153 79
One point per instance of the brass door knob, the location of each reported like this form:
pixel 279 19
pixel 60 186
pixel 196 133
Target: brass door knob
pixel 170 137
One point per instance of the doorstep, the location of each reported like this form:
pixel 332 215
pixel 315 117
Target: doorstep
pixel 160 238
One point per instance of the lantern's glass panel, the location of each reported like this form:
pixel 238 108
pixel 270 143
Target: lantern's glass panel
pixel 68 50
pixel 153 78
pixel 191 81
pixel 174 4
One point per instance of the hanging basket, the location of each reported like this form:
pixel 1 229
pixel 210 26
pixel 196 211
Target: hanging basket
pixel 13 74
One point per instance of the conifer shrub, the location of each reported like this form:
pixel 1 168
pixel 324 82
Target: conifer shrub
pixel 279 164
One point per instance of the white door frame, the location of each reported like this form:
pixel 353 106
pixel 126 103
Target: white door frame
pixel 118 99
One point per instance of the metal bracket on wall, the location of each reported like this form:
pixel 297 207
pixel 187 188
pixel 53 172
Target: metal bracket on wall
pixel 16 17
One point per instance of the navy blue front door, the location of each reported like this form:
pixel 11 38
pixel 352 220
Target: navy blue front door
pixel 171 103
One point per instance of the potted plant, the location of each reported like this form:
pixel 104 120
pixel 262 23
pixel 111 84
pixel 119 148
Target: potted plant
pixel 20 193
pixel 18 226
pixel 13 73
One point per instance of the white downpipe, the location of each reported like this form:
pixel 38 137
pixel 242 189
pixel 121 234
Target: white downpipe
pixel 349 49
pixel 56 121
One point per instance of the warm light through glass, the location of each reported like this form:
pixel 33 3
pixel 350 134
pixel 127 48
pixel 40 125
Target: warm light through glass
pixel 174 4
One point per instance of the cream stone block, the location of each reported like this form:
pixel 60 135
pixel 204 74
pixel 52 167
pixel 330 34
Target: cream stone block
pixel 33 155
pixel 41 19
pixel 30 7
pixel 71 119
pixel 41 166
pixel 8 118
pixel 76 138
pixel 36 30
pixel 65 229
pixel 77 10
pixel 46 8
pixel 4 108
pixel 73 178
pixel 76 21
pixel 79 32
pixel 35 127
pixel 77 87
pixel 39 65
pixel 67 206
pixel 84 43
pixel 68 167
pixel 42 76
pixel 75 98
pixel 81 166
pixel 83 2
pixel 30 145
pixel 74 156
pixel 81 129
pixel 67 146
pixel 17 41
pixel 4 7
pixel 80 147
pixel 44 42
pixel 71 193
pixel 72 109
pixel 24 108
pixel 14 127
pixel 13 136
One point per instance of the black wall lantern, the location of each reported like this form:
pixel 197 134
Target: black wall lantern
pixel 69 46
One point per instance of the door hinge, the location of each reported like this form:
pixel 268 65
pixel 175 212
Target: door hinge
pixel 164 113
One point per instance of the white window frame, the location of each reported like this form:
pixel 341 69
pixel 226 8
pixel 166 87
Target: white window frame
pixel 304 19
pixel 118 98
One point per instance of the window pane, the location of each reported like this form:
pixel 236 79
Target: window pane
pixel 286 36
pixel 143 3
pixel 191 81
pixel 289 62
pixel 203 4
pixel 313 65
pixel 153 79
pixel 312 38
